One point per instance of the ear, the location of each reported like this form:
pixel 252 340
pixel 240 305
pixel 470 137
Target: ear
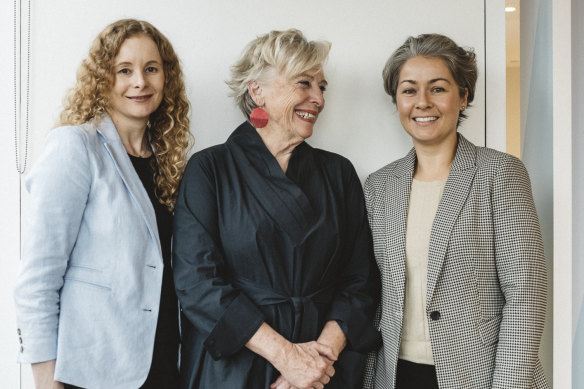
pixel 464 100
pixel 256 92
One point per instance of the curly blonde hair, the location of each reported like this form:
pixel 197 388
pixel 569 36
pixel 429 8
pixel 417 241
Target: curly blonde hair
pixel 169 129
pixel 285 51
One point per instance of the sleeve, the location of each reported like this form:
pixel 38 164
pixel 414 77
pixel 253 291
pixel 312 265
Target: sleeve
pixel 371 361
pixel 58 188
pixel 358 289
pixel 224 316
pixel 522 276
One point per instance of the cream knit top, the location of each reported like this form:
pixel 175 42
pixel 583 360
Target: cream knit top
pixel 424 199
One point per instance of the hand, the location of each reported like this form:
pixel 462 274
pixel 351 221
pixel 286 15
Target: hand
pixel 304 365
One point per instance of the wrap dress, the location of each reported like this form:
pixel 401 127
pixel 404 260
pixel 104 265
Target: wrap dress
pixel 255 244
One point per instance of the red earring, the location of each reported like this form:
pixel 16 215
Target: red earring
pixel 258 118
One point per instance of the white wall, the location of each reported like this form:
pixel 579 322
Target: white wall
pixel 359 120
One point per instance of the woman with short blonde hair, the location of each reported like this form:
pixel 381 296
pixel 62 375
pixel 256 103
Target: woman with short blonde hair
pixel 271 248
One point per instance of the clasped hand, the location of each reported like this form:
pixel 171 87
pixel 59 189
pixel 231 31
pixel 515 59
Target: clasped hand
pixel 304 366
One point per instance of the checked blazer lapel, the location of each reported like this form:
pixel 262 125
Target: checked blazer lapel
pixel 453 198
pixel 117 151
pixel 396 211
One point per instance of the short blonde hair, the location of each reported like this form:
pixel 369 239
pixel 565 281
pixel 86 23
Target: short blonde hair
pixel 169 128
pixel 287 52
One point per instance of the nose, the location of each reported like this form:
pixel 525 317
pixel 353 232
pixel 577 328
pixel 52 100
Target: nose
pixel 317 97
pixel 423 100
pixel 138 79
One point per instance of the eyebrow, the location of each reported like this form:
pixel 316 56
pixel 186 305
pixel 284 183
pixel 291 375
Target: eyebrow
pixel 126 63
pixel 432 81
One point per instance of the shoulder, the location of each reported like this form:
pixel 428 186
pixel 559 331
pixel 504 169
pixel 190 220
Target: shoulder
pixel 209 156
pixel 72 134
pixel 497 162
pixel 203 163
pixel 329 159
pixel 381 176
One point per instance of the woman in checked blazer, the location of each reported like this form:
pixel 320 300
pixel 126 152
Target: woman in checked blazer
pixel 456 238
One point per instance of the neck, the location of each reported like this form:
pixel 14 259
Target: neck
pixel 133 136
pixel 279 144
pixel 433 161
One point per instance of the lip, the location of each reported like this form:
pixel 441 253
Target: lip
pixel 139 99
pixel 310 120
pixel 425 119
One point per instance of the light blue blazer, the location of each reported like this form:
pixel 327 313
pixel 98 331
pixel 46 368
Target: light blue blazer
pixel 88 289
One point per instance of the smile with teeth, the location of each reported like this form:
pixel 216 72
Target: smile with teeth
pixel 306 115
pixel 426 119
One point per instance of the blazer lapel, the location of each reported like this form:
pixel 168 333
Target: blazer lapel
pixel 396 211
pixel 453 198
pixel 117 151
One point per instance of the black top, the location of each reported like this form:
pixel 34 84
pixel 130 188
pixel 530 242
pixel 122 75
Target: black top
pixel 163 372
pixel 254 244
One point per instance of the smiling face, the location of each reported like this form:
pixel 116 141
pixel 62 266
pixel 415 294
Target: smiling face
pixel 139 82
pixel 293 105
pixel 428 101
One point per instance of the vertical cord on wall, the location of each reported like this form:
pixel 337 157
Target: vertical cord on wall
pixel 18 96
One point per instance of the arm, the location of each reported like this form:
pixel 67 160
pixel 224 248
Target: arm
pixel 224 316
pixel 522 276
pixel 43 373
pixel 58 186
pixel 358 286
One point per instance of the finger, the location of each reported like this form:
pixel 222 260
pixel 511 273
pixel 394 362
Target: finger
pixel 277 382
pixel 325 379
pixel 325 351
pixel 330 371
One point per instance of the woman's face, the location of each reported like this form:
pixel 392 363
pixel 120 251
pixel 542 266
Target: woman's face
pixel 293 105
pixel 139 82
pixel 428 100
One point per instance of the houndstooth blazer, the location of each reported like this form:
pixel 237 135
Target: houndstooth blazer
pixel 486 290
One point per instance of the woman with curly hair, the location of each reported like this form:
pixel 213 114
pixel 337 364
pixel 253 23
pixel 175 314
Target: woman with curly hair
pixel 95 295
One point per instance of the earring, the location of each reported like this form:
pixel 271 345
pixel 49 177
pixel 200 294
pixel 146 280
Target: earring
pixel 258 118
pixel 462 108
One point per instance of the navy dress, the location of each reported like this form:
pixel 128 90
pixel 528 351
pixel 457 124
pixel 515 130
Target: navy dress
pixel 255 244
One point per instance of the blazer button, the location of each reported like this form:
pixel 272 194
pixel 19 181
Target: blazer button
pixel 434 315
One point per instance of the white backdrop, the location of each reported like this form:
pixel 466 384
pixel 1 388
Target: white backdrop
pixel 359 121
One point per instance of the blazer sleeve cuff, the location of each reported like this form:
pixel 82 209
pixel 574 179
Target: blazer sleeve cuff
pixel 362 336
pixel 34 349
pixel 237 325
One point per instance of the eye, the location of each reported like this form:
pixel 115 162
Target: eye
pixel 151 69
pixel 409 91
pixel 322 88
pixel 438 89
pixel 124 71
pixel 304 83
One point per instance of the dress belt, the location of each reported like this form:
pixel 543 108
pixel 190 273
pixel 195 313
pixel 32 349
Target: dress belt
pixel 305 310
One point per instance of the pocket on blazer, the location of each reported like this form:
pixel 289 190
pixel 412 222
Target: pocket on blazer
pixel 87 275
pixel 489 330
